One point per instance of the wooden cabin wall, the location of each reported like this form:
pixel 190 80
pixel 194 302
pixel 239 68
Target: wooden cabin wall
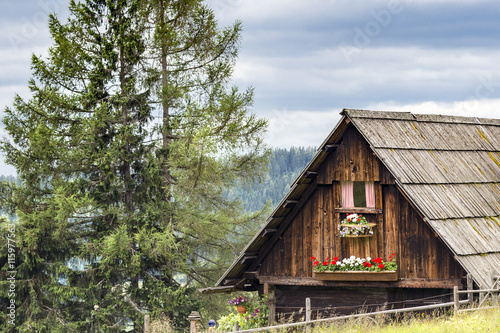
pixel 328 302
pixel 332 301
pixel 400 230
pixel 352 161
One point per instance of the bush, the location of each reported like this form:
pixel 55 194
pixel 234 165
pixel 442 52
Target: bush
pixel 256 316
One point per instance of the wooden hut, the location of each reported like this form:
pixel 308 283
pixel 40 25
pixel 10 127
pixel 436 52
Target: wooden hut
pixel 435 201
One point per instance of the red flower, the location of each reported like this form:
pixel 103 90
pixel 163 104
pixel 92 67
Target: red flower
pixel 381 266
pixel 365 264
pixel 334 262
pixel 316 263
pixel 327 259
pixel 325 263
pixel 336 258
pixel 313 258
pixel 394 254
pixel 369 265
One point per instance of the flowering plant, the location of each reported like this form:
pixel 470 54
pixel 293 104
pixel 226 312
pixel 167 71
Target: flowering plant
pixel 237 300
pixel 355 225
pixel 355 264
pixel 257 315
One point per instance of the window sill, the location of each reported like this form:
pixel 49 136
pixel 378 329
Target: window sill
pixel 359 210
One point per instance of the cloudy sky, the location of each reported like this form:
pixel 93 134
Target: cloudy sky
pixel 307 60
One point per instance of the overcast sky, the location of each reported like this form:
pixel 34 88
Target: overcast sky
pixel 307 60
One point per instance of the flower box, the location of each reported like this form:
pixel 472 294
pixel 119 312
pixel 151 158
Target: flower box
pixel 357 276
pixel 355 225
pixel 352 235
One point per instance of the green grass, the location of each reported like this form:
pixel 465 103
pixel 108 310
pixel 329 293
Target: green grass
pixel 478 321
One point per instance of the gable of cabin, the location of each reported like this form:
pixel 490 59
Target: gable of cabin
pixel 423 260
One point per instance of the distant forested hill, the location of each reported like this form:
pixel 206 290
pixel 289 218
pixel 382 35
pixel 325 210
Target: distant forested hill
pixel 284 166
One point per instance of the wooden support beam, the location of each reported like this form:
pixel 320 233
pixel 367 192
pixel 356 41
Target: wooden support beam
pixel 269 231
pixel 252 275
pixel 358 210
pixel 240 284
pixel 231 281
pixel 470 286
pixel 250 286
pixel 270 290
pixel 331 147
pixel 290 203
pixel 246 259
pixel 214 290
pixel 310 174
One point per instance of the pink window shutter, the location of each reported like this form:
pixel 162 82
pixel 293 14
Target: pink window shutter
pixel 347 194
pixel 370 194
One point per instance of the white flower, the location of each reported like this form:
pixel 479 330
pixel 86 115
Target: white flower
pixel 342 265
pixel 352 258
pixel 368 258
pixel 338 263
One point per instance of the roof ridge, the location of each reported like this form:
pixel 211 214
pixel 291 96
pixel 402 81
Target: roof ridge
pixel 420 117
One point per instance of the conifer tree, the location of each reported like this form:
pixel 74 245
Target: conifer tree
pixel 125 152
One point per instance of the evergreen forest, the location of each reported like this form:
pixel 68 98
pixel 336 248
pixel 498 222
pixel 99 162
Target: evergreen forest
pixel 284 166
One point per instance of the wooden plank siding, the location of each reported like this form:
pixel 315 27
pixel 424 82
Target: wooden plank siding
pixel 326 302
pixel 400 229
pixel 333 301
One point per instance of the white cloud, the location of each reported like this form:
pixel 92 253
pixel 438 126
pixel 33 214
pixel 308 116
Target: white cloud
pixel 310 128
pixel 300 128
pixel 486 108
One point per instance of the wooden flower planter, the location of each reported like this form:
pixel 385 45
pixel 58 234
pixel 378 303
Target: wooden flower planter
pixel 350 225
pixel 357 276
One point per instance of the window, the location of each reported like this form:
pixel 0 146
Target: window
pixel 358 194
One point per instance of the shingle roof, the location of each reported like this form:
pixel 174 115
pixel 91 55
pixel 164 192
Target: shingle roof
pixel 447 166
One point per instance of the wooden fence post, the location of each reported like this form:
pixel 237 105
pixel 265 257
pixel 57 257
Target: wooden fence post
pixel 494 296
pixel 308 314
pixel 470 287
pixel 194 317
pixel 481 297
pixel 146 323
pixel 455 300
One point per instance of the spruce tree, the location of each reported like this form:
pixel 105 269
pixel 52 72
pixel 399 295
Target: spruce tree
pixel 125 152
